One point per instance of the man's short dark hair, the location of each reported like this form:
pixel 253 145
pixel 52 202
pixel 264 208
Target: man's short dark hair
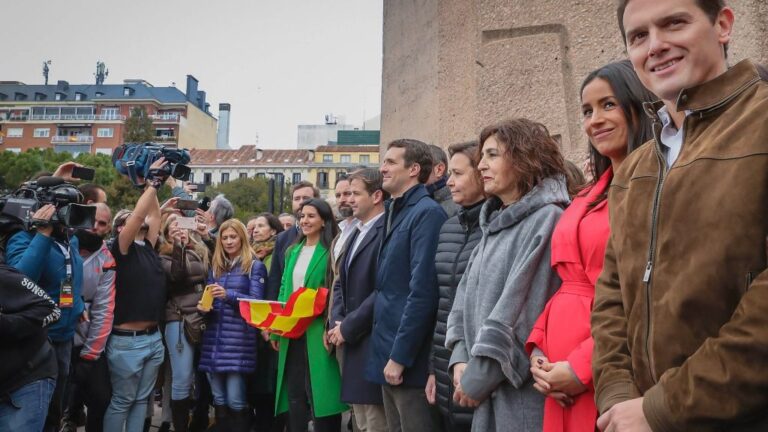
pixel 90 192
pixel 415 152
pixel 371 178
pixel 340 178
pixel 305 184
pixel 438 155
pixel 710 7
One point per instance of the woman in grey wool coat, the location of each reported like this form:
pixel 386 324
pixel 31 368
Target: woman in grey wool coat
pixel 509 278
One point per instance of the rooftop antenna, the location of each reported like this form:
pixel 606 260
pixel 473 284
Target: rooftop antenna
pixel 46 69
pixel 101 72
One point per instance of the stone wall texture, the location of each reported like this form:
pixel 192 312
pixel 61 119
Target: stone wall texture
pixel 451 67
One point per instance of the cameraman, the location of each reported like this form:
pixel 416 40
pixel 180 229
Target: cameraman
pixel 135 348
pixel 51 259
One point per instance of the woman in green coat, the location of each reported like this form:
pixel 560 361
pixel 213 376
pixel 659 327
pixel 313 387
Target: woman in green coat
pixel 307 264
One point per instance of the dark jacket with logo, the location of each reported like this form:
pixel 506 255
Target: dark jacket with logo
pixel 25 312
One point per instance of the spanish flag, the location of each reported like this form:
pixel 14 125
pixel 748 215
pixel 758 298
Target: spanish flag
pixel 290 319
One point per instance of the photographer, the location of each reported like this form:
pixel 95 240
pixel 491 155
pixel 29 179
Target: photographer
pixel 51 259
pixel 89 380
pixel 135 348
pixel 28 370
pixel 185 262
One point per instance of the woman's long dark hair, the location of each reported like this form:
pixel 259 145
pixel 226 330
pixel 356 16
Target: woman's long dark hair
pixel 631 94
pixel 327 234
pixel 330 229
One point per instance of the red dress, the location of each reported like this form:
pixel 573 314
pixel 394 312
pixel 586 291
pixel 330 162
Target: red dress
pixel 562 331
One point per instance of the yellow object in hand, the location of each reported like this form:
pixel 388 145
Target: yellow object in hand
pixel 207 301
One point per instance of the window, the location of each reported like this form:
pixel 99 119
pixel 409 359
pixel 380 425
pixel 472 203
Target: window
pixel 191 177
pixel 207 178
pixel 110 113
pixel 15 132
pixel 345 158
pixel 79 96
pixel 243 175
pixel 105 132
pixel 322 180
pixel 104 151
pixel 59 96
pixel 16 150
pixel 327 158
pixel 42 133
pixel 261 175
pixel 296 178
pixel 225 177
pixel 365 159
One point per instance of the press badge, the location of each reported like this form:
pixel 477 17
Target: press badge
pixel 66 296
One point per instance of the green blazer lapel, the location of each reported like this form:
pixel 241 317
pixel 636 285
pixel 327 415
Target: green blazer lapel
pixel 315 276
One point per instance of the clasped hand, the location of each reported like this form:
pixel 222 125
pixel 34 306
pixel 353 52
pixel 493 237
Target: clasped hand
pixel 555 380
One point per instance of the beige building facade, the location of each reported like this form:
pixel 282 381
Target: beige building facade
pixel 451 67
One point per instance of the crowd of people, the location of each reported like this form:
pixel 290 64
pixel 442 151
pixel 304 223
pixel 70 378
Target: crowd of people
pixel 485 289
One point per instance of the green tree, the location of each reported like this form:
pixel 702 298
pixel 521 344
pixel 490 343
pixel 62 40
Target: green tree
pixel 248 195
pixel 138 127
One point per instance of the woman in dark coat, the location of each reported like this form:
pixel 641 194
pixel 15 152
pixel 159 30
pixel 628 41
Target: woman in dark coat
pixel 229 344
pixel 185 263
pixel 458 237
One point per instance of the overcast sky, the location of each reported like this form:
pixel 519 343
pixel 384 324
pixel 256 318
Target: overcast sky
pixel 279 63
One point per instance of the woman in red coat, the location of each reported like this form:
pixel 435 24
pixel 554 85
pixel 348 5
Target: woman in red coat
pixel 560 343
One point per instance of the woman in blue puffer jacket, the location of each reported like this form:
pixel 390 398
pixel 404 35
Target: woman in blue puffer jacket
pixel 228 352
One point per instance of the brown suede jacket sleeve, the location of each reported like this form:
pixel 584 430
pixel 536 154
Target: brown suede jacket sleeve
pixel 611 360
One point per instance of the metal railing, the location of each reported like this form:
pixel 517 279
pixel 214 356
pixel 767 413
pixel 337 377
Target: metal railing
pixel 72 139
pixel 165 138
pixel 75 117
pixel 165 117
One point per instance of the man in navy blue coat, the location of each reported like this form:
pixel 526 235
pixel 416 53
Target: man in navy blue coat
pixel 406 286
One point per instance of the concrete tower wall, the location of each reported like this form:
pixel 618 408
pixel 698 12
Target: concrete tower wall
pixel 451 67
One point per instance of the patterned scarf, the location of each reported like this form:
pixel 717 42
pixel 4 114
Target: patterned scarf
pixel 263 248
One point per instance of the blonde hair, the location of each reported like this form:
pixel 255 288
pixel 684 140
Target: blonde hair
pixel 219 264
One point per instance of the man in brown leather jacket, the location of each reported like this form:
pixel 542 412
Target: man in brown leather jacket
pixel 680 317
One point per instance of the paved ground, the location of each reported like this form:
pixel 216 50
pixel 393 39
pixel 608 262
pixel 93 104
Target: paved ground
pixel 156 420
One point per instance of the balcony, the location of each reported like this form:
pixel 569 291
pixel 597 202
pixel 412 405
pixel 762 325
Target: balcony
pixel 72 139
pixel 76 117
pixel 166 117
pixel 14 118
pixel 166 140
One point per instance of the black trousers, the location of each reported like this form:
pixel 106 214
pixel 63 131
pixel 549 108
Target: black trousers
pixel 90 385
pixel 299 390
